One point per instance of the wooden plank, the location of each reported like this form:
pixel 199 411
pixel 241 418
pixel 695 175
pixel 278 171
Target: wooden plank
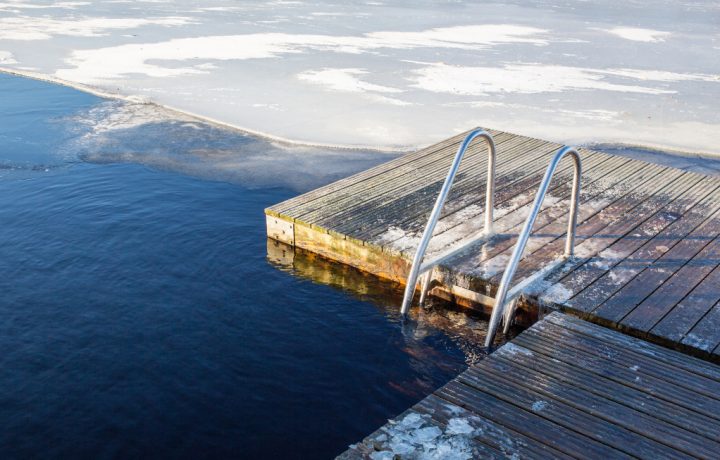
pixel 682 317
pixel 600 231
pixel 529 423
pixel 673 290
pixel 614 413
pixel 674 376
pixel 635 253
pixel 280 229
pixel 308 197
pixel 405 433
pixel 617 241
pixel 512 207
pixel 705 335
pixel 623 277
pixel 685 264
pixel 396 180
pixel 406 200
pixel 549 241
pixel 420 195
pixel 522 190
pixel 609 389
pixel 365 257
pixel 493 257
pixel 598 362
pixel 516 182
pixel 636 346
pixel 614 436
pixel 467 190
pixel 511 443
pixel 564 388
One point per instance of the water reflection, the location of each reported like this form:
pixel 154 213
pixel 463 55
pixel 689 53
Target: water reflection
pixel 467 329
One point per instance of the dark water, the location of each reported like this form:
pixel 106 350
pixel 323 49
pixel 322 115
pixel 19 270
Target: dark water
pixel 141 315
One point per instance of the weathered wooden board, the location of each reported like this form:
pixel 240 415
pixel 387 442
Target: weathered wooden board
pixel 647 247
pixel 565 388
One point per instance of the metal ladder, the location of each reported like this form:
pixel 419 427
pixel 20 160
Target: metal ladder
pixel 506 298
pixel 418 267
pixel 506 302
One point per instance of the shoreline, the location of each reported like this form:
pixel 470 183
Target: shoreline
pixel 105 94
pixel 141 100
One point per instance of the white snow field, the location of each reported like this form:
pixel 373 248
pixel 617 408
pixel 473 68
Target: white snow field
pixel 394 74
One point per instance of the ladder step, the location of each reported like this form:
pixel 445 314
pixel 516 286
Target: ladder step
pixel 482 238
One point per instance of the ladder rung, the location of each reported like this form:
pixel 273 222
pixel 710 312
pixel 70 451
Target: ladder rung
pixel 453 252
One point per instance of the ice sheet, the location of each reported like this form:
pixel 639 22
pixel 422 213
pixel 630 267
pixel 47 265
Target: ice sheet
pixel 395 74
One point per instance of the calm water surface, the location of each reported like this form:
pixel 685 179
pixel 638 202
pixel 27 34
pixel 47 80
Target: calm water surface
pixel 142 316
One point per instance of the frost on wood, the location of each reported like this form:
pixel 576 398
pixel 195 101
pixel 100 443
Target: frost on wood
pixel 512 350
pixel 539 406
pixel 416 436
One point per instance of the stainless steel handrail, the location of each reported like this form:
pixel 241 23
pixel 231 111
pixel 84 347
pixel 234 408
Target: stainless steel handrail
pixel 435 214
pixel 500 299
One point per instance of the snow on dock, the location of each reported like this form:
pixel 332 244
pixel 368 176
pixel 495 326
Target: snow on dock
pixel 647 245
pixel 565 388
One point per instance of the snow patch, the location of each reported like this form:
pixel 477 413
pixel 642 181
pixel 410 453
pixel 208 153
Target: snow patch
pixel 638 34
pixel 459 426
pixel 697 341
pixel 493 266
pixel 528 78
pixel 556 293
pixel 34 6
pixel 6 57
pixel 512 349
pixel 539 406
pixel 415 436
pixel 467 37
pixel 44 28
pixel 346 80
pixel 621 275
pixel 660 75
pixel 95 65
pixel 398 238
pixel 605 258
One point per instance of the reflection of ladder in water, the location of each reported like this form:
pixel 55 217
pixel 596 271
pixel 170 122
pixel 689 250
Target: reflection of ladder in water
pixel 506 299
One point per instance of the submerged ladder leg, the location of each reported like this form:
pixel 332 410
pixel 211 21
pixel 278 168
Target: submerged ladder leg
pixel 425 287
pixel 418 267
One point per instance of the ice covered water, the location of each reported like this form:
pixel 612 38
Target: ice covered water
pixel 395 74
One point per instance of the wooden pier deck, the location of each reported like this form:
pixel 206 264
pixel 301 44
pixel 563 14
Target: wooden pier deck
pixel 564 388
pixel 648 239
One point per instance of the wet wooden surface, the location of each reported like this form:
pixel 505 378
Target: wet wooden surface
pixel 565 388
pixel 648 239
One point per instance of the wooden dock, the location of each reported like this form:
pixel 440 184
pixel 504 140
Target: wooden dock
pixel 648 239
pixel 565 388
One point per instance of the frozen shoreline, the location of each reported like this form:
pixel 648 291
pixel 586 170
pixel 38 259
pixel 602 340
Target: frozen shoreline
pixel 392 76
pixel 140 100
pixel 668 151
